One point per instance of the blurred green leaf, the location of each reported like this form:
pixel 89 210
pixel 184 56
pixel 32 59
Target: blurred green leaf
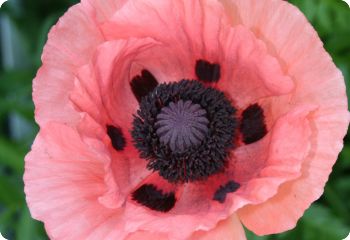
pixel 309 8
pixel 344 158
pixel 6 220
pixel 12 81
pixel 337 202
pixel 251 236
pixel 11 155
pixel 26 227
pixel 15 88
pixel 320 224
pixel 339 42
pixel 11 194
pixel 25 109
pixel 324 17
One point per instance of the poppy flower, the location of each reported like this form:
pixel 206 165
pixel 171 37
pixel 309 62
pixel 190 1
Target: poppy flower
pixel 181 119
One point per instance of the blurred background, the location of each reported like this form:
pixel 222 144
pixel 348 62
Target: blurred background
pixel 24 25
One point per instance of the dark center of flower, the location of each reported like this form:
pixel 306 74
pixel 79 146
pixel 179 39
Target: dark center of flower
pixel 185 130
pixel 181 125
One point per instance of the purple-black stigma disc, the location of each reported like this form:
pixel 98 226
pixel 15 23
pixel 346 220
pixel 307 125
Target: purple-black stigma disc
pixel 182 125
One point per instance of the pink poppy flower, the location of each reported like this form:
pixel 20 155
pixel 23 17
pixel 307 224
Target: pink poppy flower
pixel 181 119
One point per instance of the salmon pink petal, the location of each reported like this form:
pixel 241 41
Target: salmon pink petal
pixel 103 90
pixel 189 28
pixel 175 18
pixel 245 64
pixel 143 235
pixel 176 61
pixel 292 40
pixel 102 87
pixel 295 196
pixel 257 170
pixel 63 185
pixel 66 50
pixel 248 67
pixel 103 9
pixel 227 229
pixel 117 170
pixel 260 173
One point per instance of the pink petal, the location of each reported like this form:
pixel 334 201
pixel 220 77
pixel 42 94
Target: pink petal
pixel 293 197
pixel 143 235
pixel 189 28
pixel 247 67
pixel 102 87
pixel 292 40
pixel 259 175
pixel 66 50
pixel 262 168
pixel 102 90
pixel 103 9
pixel 63 185
pixel 259 168
pixel 203 33
pixel 228 229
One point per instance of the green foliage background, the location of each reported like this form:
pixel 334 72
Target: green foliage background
pixel 24 27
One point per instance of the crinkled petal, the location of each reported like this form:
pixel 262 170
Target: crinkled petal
pixel 259 180
pixel 189 28
pixel 292 40
pixel 248 68
pixel 64 179
pixel 103 9
pixel 228 229
pixel 259 168
pixel 143 235
pixel 102 88
pixel 201 31
pixel 66 50
pixel 295 196
pixel 278 158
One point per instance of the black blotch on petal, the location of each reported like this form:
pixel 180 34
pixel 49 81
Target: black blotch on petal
pixel 143 84
pixel 117 138
pixel 149 196
pixel 207 72
pixel 253 127
pixel 229 187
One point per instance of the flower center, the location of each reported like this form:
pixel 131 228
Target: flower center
pixel 185 130
pixel 182 125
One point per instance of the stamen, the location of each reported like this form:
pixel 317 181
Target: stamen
pixel 182 125
pixel 148 195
